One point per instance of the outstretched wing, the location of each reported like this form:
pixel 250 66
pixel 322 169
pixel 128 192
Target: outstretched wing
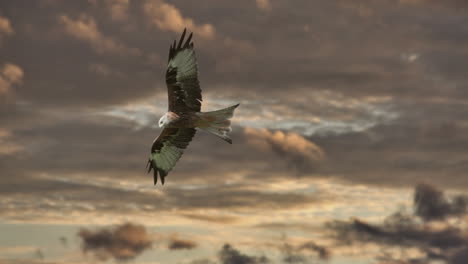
pixel 181 77
pixel 167 150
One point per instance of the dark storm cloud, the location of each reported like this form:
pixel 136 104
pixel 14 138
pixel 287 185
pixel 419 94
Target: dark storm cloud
pixel 445 243
pixel 322 252
pixel 296 254
pixel 399 231
pixel 230 255
pixel 431 203
pixel 123 242
pixel 179 244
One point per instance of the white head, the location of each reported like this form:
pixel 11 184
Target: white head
pixel 163 121
pixel 167 118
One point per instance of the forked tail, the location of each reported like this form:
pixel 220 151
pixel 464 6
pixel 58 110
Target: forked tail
pixel 218 122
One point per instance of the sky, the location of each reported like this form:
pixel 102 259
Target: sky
pixel 349 145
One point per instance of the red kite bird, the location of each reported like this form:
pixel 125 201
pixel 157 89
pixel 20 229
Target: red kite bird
pixel 183 117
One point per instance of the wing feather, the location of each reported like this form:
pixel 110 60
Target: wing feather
pixel 167 150
pixel 183 87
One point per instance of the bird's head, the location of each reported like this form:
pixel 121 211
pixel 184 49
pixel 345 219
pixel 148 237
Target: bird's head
pixel 163 121
pixel 167 118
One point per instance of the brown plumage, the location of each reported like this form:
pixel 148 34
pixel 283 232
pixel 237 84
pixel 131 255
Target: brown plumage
pixel 184 103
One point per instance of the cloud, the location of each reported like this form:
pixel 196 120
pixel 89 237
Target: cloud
pixel 123 242
pixel 119 9
pixel 39 254
pixel 104 70
pixel 291 146
pixel 323 252
pixel 30 261
pixel 110 151
pixel 230 255
pixel 179 244
pixel 444 242
pixel 405 151
pixel 263 5
pixel 237 196
pixel 10 74
pixel 5 28
pixel 211 218
pixel 293 69
pixel 431 204
pixel 7 147
pixel 63 241
pixel 296 254
pixel 168 18
pixel 449 3
pixel 85 29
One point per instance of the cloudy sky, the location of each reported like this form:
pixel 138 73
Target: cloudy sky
pixel 350 144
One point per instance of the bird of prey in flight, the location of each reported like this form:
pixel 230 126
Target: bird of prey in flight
pixel 184 114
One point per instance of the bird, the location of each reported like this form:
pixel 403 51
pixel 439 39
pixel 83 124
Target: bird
pixel 180 123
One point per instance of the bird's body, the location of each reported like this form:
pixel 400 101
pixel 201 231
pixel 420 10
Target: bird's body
pixel 184 116
pixel 184 120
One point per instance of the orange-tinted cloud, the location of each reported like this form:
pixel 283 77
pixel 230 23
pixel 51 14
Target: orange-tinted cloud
pixel 263 5
pixel 10 74
pixel 121 243
pixel 118 9
pixel 167 17
pixel 5 27
pixel 85 29
pixel 285 143
pixel 6 146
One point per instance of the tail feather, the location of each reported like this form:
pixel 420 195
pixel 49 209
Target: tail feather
pixel 218 122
